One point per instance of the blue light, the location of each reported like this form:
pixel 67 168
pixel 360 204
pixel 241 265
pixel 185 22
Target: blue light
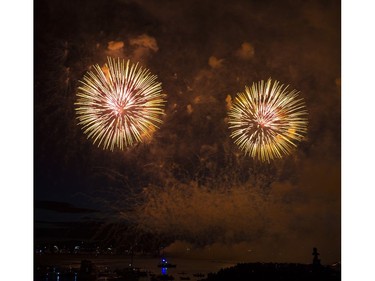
pixel 164 271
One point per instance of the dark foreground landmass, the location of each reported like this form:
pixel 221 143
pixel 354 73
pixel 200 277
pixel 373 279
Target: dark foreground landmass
pixel 276 271
pixel 90 271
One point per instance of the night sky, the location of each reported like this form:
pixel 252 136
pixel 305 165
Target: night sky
pixel 191 181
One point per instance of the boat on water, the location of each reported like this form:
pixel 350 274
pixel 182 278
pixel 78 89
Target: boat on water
pixel 165 264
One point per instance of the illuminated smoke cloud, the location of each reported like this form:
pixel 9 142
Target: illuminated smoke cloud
pixel 246 51
pixel 143 45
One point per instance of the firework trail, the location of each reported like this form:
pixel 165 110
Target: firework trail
pixel 119 104
pixel 267 121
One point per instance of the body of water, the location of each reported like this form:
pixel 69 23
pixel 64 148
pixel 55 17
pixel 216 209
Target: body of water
pixel 58 265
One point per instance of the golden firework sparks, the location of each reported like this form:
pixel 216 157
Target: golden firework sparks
pixel 120 104
pixel 267 120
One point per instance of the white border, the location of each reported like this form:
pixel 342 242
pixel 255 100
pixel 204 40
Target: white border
pixel 16 185
pixel 358 141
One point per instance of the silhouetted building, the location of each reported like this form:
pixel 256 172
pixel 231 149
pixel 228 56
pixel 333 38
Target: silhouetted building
pixel 316 260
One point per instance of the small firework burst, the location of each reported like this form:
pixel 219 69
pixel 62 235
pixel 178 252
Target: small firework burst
pixel 120 104
pixel 267 121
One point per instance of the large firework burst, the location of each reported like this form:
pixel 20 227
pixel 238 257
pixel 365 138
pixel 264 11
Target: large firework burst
pixel 119 104
pixel 267 121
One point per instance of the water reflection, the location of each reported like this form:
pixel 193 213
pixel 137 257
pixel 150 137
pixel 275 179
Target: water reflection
pixel 48 274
